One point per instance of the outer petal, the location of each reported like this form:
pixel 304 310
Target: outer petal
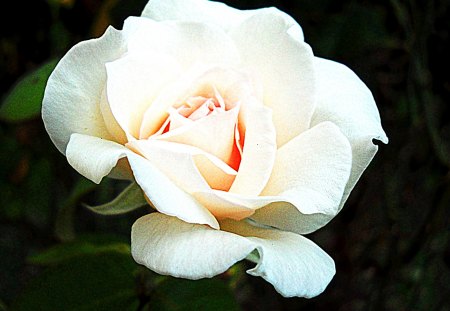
pixel 346 101
pixel 72 97
pixel 94 158
pixel 187 42
pixel 208 12
pixel 294 265
pixel 285 67
pixel 169 246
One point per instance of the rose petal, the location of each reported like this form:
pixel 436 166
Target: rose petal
pixel 133 83
pixel 310 172
pixel 294 265
pixel 213 134
pixel 209 12
pixel 188 167
pixel 187 42
pixel 169 246
pixel 285 65
pixel 110 121
pixel 93 157
pixel 227 205
pixel 346 101
pixel 166 197
pixel 71 101
pixel 305 189
pixel 259 148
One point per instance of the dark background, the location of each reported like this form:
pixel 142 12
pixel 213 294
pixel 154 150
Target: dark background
pixel 390 243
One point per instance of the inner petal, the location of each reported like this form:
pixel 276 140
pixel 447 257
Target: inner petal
pixel 204 122
pixel 188 167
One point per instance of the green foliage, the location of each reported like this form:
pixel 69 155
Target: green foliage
pixel 79 248
pixel 24 101
pixel 180 295
pixel 128 200
pixel 100 281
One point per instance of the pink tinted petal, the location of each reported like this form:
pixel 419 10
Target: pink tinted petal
pixel 199 81
pixel 304 191
pixel 258 154
pixel 213 134
pixel 188 167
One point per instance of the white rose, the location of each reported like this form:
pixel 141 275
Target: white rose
pixel 238 135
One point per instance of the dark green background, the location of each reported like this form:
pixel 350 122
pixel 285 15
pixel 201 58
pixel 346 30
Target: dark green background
pixel 390 243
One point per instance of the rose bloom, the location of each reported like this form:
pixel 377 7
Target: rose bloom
pixel 239 137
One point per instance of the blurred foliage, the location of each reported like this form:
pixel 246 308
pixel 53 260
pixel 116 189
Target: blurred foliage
pixel 25 99
pixel 391 243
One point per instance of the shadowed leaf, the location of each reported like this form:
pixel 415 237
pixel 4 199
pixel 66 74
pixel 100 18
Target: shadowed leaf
pixel 128 200
pixel 24 101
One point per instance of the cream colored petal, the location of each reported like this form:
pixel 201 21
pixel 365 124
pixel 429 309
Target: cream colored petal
pixel 285 66
pixel 310 172
pixel 134 81
pixel 187 42
pixel 166 196
pixel 259 149
pixel 93 157
pixel 294 265
pixel 169 246
pixel 72 97
pixel 346 101
pixel 210 12
pixel 113 127
pixel 228 205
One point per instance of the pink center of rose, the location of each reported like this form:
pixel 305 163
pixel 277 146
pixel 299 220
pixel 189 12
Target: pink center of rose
pixel 207 121
pixel 195 108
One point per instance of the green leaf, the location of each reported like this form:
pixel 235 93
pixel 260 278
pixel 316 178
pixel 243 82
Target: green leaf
pixel 97 282
pixel 24 101
pixel 66 251
pixel 128 200
pixel 179 294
